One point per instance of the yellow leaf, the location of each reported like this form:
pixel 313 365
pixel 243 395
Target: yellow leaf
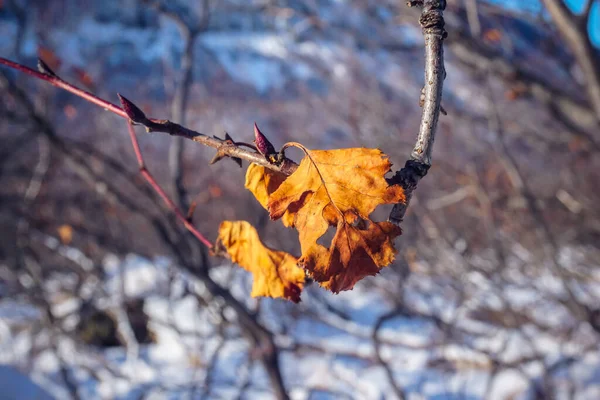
pixel 262 182
pixel 65 233
pixel 276 273
pixel 340 188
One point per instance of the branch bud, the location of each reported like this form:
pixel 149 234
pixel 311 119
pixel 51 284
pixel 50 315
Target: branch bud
pixel 44 68
pixel 263 145
pixel 133 112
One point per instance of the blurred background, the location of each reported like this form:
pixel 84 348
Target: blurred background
pixel 495 293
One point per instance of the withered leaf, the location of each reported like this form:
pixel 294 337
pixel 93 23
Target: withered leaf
pixel 65 233
pixel 340 188
pixel 276 273
pixel 262 182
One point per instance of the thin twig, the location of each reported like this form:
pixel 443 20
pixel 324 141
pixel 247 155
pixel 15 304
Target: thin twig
pixel 287 166
pixel 150 179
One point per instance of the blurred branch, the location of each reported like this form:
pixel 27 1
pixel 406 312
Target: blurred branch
pixel 573 111
pixel 520 182
pixel 20 12
pixel 473 17
pixel 376 343
pixel 574 30
pixel 150 179
pixel 432 23
pixel 80 165
pixel 189 32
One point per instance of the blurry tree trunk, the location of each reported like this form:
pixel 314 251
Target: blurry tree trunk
pixel 178 113
pixel 473 17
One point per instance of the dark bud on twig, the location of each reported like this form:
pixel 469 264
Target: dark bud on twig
pixel 263 145
pixel 44 68
pixel 133 112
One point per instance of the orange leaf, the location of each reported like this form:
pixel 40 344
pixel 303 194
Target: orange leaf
pixel 262 182
pixel 215 191
pixel 65 233
pixel 493 35
pixel 84 77
pixel 276 273
pixel 355 252
pixel 340 188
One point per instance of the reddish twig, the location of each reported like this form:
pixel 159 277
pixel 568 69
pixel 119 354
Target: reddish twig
pixel 158 189
pixel 50 77
pixel 286 166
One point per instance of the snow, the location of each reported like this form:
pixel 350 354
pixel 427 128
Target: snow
pixel 182 326
pixel 17 386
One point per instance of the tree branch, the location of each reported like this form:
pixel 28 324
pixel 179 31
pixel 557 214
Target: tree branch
pixel 225 148
pixel 432 23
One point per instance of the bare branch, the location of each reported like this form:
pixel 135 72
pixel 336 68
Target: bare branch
pixel 287 166
pixel 432 23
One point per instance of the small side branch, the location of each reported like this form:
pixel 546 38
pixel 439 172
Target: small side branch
pixel 150 179
pixel 432 23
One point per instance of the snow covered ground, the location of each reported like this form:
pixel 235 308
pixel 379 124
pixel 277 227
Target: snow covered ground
pixel 334 355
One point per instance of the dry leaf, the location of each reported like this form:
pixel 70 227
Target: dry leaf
pixel 493 35
pixel 215 191
pixel 340 188
pixel 276 273
pixel 65 233
pixel 355 252
pixel 84 77
pixel 262 182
